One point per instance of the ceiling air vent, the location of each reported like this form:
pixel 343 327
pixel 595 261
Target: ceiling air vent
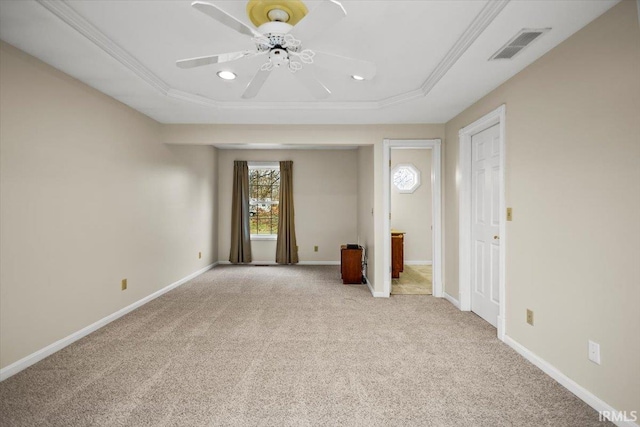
pixel 517 43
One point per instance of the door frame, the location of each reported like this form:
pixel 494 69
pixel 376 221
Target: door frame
pixel 436 207
pixel 497 116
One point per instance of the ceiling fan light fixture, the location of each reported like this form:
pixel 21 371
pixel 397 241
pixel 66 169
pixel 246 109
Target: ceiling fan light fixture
pixel 278 15
pixel 226 75
pixel 357 78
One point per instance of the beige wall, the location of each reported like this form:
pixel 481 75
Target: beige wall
pixel 411 212
pixel 325 187
pixel 573 180
pixel 88 196
pixel 366 230
pixel 325 135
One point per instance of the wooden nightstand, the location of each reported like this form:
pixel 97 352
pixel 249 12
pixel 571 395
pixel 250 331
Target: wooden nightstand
pixel 351 265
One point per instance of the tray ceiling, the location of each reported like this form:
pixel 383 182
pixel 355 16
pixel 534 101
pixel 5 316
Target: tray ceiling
pixel 431 56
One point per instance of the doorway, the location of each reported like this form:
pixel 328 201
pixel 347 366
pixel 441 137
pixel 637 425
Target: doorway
pixel 416 165
pixel 411 221
pixel 482 219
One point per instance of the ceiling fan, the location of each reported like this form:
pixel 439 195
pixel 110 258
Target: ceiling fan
pixel 282 25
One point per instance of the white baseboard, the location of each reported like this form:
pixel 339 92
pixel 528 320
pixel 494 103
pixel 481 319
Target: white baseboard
pixel 582 393
pixel 37 356
pixel 275 263
pixel 419 262
pixel 501 327
pixel 374 293
pixel 319 263
pixel 452 300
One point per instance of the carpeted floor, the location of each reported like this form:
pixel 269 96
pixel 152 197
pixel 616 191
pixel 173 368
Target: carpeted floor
pixel 414 280
pixel 278 346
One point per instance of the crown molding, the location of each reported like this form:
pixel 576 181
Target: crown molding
pixel 72 18
pixel 67 14
pixel 316 105
pixel 484 18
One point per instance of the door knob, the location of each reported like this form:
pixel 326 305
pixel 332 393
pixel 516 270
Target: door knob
pixel 496 237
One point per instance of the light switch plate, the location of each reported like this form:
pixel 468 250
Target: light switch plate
pixel 594 352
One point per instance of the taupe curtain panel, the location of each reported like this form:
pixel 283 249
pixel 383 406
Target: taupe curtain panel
pixel 286 249
pixel 240 232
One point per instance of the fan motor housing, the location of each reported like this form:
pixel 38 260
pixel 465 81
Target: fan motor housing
pixel 275 32
pixel 275 28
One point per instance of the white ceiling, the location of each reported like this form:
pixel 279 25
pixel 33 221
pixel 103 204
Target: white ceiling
pixel 431 56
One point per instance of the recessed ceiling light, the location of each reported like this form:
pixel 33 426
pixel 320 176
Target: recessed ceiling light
pixel 357 77
pixel 226 75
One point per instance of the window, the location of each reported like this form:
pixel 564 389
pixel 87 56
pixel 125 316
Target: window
pixel 264 194
pixel 406 177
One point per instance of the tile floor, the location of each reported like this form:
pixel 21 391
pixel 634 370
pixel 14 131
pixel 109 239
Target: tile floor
pixel 414 280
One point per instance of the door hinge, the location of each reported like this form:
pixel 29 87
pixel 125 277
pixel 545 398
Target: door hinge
pixel 389 215
pixel 389 164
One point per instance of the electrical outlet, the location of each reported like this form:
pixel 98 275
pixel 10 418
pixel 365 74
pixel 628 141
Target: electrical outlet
pixel 594 352
pixel 199 255
pixel 530 317
pixel 123 285
pixel 315 249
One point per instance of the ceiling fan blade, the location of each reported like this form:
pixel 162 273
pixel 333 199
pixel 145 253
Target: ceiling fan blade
pixel 319 19
pixel 213 59
pixel 350 66
pixel 310 81
pixel 224 18
pixel 256 83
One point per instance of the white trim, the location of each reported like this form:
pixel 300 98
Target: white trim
pixel 263 165
pixel 486 16
pixel 497 116
pixel 266 237
pixel 73 19
pixel 374 293
pixel 275 263
pixel 418 262
pixel 436 194
pixel 37 356
pixel 386 221
pixel 319 263
pixel 575 388
pixel 76 21
pixel 452 300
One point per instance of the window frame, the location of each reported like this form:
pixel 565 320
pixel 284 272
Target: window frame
pixel 267 166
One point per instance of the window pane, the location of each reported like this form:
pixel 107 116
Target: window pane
pixel 253 224
pixel 264 186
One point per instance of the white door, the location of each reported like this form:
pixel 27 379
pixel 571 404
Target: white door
pixel 485 224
